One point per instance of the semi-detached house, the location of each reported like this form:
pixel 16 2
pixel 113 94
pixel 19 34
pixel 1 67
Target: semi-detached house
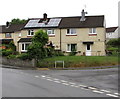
pixel 83 34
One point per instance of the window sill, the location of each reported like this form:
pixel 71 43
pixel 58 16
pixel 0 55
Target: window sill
pixel 30 36
pixel 8 37
pixel 71 35
pixel 51 35
pixel 92 34
pixel 23 50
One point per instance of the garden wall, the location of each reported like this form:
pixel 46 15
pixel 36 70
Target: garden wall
pixel 17 62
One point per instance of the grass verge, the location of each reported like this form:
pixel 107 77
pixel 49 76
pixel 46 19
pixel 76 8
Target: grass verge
pixel 79 61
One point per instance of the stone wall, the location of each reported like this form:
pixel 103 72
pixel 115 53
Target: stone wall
pixel 17 62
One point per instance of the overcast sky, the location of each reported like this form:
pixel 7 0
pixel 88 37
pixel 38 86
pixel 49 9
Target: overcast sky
pixel 25 9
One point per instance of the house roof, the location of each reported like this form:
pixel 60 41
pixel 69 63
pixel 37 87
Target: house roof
pixel 90 22
pixel 12 28
pixel 71 22
pixel 25 40
pixel 3 41
pixel 111 29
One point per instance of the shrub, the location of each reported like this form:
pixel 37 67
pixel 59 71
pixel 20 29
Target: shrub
pixel 7 52
pixel 11 56
pixel 24 56
pixel 58 53
pixel 72 53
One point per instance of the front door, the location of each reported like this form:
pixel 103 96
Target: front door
pixel 88 50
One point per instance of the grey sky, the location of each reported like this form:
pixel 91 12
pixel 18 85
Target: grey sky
pixel 24 9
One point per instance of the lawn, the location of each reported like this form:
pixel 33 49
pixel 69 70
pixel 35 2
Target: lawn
pixel 79 61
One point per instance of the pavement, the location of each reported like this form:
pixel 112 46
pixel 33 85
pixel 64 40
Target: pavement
pixel 60 83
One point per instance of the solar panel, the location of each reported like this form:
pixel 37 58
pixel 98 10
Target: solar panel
pixel 35 23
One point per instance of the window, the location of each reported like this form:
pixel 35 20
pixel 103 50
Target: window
pixel 71 31
pixel 19 34
pixel 71 47
pixel 92 31
pixel 50 32
pixel 30 32
pixel 8 35
pixel 24 47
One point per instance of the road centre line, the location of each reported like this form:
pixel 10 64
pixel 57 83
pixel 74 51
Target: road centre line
pixel 92 88
pixel 64 83
pixel 97 91
pixel 49 79
pixel 116 93
pixel 104 90
pixel 111 95
pixel 36 76
pixel 71 83
pixel 82 86
pixel 57 81
pixel 43 76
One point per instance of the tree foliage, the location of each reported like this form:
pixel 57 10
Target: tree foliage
pixel 37 49
pixel 18 21
pixel 114 42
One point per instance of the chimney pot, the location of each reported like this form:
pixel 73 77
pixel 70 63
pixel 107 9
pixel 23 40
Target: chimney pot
pixel 83 15
pixel 45 16
pixel 7 24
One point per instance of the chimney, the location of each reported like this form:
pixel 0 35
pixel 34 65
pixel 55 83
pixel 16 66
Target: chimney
pixel 7 24
pixel 83 15
pixel 44 16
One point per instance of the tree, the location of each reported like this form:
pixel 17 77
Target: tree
pixel 18 21
pixel 37 49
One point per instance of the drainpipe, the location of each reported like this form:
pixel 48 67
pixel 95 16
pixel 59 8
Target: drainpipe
pixel 60 40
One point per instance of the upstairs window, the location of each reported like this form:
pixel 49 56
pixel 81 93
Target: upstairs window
pixel 30 33
pixel 71 47
pixel 7 35
pixel 92 31
pixel 71 31
pixel 50 32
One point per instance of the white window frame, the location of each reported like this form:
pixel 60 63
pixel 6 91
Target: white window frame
pixel 24 50
pixel 51 32
pixel 71 32
pixel 91 31
pixel 30 31
pixel 70 47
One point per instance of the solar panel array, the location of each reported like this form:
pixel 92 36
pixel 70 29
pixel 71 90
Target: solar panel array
pixel 35 23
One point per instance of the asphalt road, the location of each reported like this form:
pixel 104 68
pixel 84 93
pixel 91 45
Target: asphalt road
pixel 60 83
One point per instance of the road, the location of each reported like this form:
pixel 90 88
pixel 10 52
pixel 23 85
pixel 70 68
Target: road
pixel 60 83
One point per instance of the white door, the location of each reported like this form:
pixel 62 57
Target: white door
pixel 88 50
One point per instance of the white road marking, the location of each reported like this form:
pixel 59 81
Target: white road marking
pixel 111 95
pixel 43 76
pixel 104 90
pixel 57 81
pixel 49 79
pixel 65 83
pixel 82 86
pixel 116 93
pixel 36 76
pixel 91 88
pixel 97 91
pixel 71 83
